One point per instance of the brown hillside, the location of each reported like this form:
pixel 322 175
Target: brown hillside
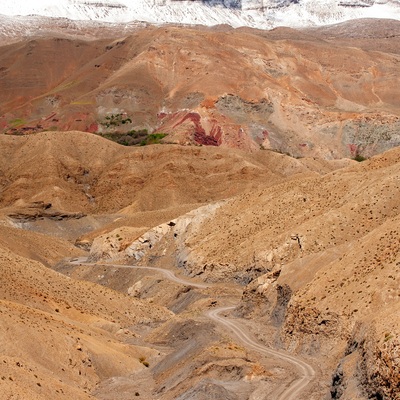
pixel 59 336
pixel 325 254
pixel 81 172
pixel 317 92
pixel 252 273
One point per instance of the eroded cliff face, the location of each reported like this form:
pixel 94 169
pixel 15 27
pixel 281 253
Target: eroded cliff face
pixel 369 366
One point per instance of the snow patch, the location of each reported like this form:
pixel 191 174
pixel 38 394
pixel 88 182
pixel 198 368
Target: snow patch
pixel 255 13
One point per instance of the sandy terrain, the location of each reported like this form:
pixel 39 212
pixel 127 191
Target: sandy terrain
pixel 309 272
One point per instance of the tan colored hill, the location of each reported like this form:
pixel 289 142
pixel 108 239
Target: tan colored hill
pixel 319 92
pixel 36 246
pixel 77 172
pixel 78 185
pixel 61 337
pixel 323 212
pixel 320 255
pixel 313 245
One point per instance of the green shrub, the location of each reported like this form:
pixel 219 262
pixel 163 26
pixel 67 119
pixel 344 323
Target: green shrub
pixel 153 138
pixel 359 158
pixel 115 120
pixel 134 137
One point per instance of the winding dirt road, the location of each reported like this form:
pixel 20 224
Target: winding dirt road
pixel 306 371
pixel 169 274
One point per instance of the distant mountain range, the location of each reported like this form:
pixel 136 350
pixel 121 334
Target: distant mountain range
pixel 254 13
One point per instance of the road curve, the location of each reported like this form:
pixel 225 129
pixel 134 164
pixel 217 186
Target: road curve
pixel 293 390
pixel 307 372
pixel 169 274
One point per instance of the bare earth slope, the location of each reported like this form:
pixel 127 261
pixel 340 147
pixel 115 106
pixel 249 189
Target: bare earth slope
pixel 60 337
pixel 81 172
pixel 311 92
pixel 324 252
pixel 86 337
pixel 312 244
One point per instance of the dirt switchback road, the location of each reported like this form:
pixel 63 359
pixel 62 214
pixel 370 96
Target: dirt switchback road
pixel 291 392
pixel 168 274
pixel 306 371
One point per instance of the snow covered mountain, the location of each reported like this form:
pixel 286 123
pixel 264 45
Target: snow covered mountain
pixel 254 13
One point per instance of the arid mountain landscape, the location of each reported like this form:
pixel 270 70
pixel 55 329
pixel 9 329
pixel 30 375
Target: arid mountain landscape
pixel 306 93
pixel 184 213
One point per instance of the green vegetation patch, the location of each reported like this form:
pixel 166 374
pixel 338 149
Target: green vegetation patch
pixel 154 138
pixel 17 122
pixel 139 137
pixel 359 158
pixel 115 120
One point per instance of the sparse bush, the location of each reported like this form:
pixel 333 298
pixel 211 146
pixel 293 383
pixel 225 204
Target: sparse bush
pixel 115 120
pixel 153 138
pixel 359 158
pixel 134 137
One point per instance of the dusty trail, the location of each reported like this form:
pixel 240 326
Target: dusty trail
pixel 306 371
pixel 168 274
pixel 294 389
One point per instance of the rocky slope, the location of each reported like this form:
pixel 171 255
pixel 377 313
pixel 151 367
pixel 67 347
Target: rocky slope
pixel 320 256
pixel 311 244
pixel 61 337
pixel 88 174
pixel 286 90
pixel 308 246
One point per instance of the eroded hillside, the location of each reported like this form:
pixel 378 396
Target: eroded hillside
pixel 200 260
pixel 305 250
pixel 320 258
pixel 319 92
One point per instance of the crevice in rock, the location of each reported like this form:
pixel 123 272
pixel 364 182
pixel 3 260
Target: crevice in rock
pixel 284 293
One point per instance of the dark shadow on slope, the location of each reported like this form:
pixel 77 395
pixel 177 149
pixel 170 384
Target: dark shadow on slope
pixel 235 4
